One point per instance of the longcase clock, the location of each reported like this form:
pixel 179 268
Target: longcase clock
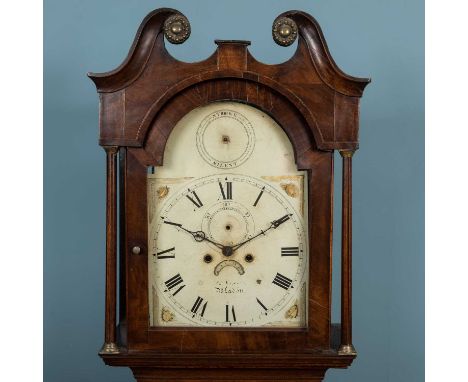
pixel 220 206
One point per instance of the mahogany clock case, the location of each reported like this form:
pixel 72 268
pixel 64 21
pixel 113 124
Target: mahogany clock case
pixel 382 39
pixel 141 101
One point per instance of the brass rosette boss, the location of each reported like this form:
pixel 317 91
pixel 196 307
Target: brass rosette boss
pixel 284 31
pixel 177 29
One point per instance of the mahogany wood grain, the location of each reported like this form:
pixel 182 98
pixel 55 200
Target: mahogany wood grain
pixel 326 97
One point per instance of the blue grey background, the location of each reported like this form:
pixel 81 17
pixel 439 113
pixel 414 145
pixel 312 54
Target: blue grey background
pixel 376 38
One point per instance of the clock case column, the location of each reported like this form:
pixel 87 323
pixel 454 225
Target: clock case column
pixel 110 334
pixel 141 101
pixel 346 346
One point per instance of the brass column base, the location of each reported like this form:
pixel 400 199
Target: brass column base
pixel 347 350
pixel 109 348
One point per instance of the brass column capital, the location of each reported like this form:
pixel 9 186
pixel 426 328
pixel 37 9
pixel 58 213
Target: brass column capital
pixel 347 153
pixel 111 149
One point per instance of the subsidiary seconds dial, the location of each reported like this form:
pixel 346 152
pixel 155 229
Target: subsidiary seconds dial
pixel 229 251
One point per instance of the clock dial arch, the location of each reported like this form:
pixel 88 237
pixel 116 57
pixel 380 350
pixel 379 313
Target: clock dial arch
pixel 267 148
pixel 299 123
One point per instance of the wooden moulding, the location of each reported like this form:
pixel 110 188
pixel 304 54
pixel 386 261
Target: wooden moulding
pixel 133 94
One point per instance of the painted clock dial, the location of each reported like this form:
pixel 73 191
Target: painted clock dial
pixel 227 231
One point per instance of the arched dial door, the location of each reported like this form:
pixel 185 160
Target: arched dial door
pixel 227 224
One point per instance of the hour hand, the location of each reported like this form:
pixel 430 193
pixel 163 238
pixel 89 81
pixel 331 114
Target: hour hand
pixel 171 223
pixel 197 235
pixel 276 223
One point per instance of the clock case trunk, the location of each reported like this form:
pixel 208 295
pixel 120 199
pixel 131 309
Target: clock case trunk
pixel 317 105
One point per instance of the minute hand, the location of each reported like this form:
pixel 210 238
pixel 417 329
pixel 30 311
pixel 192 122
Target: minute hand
pixel 274 224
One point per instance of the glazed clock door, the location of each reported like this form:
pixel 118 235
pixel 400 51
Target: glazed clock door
pixel 227 224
